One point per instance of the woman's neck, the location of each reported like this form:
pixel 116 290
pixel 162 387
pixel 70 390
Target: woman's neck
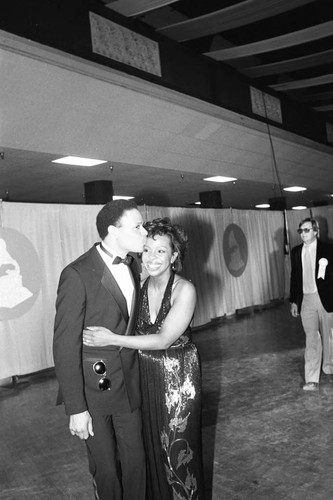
pixel 160 282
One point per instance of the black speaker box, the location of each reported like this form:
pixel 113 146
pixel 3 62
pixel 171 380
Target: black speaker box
pixel 278 203
pixel 98 192
pixel 210 199
pixel 320 203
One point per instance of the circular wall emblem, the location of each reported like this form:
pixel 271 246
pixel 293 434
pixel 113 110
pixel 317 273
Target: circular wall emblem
pixel 235 250
pixel 19 274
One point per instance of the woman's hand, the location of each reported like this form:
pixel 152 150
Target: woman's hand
pixel 97 336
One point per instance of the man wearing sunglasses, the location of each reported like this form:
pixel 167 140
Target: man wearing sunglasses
pixel 99 386
pixel 311 296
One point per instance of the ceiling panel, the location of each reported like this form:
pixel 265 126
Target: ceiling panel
pixel 49 110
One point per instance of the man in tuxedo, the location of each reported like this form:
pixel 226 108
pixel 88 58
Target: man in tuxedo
pixel 99 386
pixel 311 296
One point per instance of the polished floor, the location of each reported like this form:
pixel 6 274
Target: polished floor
pixel 264 438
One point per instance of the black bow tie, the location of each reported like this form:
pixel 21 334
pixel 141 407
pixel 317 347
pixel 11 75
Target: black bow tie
pixel 118 260
pixel 127 260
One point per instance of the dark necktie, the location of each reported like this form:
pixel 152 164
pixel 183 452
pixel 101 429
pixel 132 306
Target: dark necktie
pixel 127 260
pixel 118 260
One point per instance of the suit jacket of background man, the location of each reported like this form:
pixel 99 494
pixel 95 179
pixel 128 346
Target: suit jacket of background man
pixel 88 295
pixel 324 286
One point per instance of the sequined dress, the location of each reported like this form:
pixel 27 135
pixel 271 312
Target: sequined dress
pixel 171 409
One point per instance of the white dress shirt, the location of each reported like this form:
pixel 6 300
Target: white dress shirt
pixel 309 267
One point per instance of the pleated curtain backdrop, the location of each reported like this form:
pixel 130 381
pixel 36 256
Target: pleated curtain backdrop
pixel 236 259
pixel 219 291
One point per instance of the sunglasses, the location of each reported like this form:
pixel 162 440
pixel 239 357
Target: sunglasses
pixel 104 383
pixel 305 230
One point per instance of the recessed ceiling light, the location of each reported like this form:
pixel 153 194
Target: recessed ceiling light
pixel 263 205
pixel 300 207
pixel 122 197
pixel 220 178
pixel 76 160
pixel 294 189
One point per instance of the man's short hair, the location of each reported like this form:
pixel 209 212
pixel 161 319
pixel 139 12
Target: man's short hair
pixel 110 214
pixel 315 225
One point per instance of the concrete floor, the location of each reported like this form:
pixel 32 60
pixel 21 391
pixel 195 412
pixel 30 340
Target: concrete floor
pixel 264 438
pixel 273 440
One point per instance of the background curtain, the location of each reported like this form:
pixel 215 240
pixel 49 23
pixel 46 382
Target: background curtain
pixel 219 292
pixel 38 240
pixel 59 234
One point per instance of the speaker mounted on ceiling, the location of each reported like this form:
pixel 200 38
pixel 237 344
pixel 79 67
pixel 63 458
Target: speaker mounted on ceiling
pixel 98 192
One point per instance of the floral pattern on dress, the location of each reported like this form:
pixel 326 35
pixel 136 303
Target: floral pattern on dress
pixel 177 449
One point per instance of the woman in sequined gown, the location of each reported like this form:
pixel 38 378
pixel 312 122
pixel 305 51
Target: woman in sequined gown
pixel 169 368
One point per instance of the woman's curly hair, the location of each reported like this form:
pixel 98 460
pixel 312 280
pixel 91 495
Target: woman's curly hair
pixel 178 238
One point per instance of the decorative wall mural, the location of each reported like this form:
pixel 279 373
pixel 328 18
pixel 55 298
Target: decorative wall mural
pixel 235 250
pixel 266 105
pixel 121 44
pixel 19 274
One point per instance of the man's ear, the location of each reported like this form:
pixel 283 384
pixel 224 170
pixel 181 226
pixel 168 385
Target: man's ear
pixel 112 230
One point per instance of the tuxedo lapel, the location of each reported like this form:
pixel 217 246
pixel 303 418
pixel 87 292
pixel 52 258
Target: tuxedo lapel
pixel 111 285
pixel 319 253
pixel 298 261
pixel 299 256
pixel 109 282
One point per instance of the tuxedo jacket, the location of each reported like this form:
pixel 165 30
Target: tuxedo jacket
pixel 324 286
pixel 88 295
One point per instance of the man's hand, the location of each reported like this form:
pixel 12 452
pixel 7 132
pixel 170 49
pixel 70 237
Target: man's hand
pixel 294 310
pixel 80 425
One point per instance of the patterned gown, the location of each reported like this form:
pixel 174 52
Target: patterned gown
pixel 171 410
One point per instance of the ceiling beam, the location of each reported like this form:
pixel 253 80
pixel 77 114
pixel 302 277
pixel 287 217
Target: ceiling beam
pixel 289 65
pixel 311 34
pixel 241 14
pixel 321 96
pixel 302 84
pixel 328 107
pixel 131 8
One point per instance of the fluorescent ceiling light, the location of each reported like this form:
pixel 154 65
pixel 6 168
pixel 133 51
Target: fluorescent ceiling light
pixel 197 203
pixel 76 160
pixel 300 207
pixel 263 205
pixel 122 197
pixel 295 189
pixel 220 178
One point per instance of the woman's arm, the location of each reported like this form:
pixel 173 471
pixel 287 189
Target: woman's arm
pixel 176 322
